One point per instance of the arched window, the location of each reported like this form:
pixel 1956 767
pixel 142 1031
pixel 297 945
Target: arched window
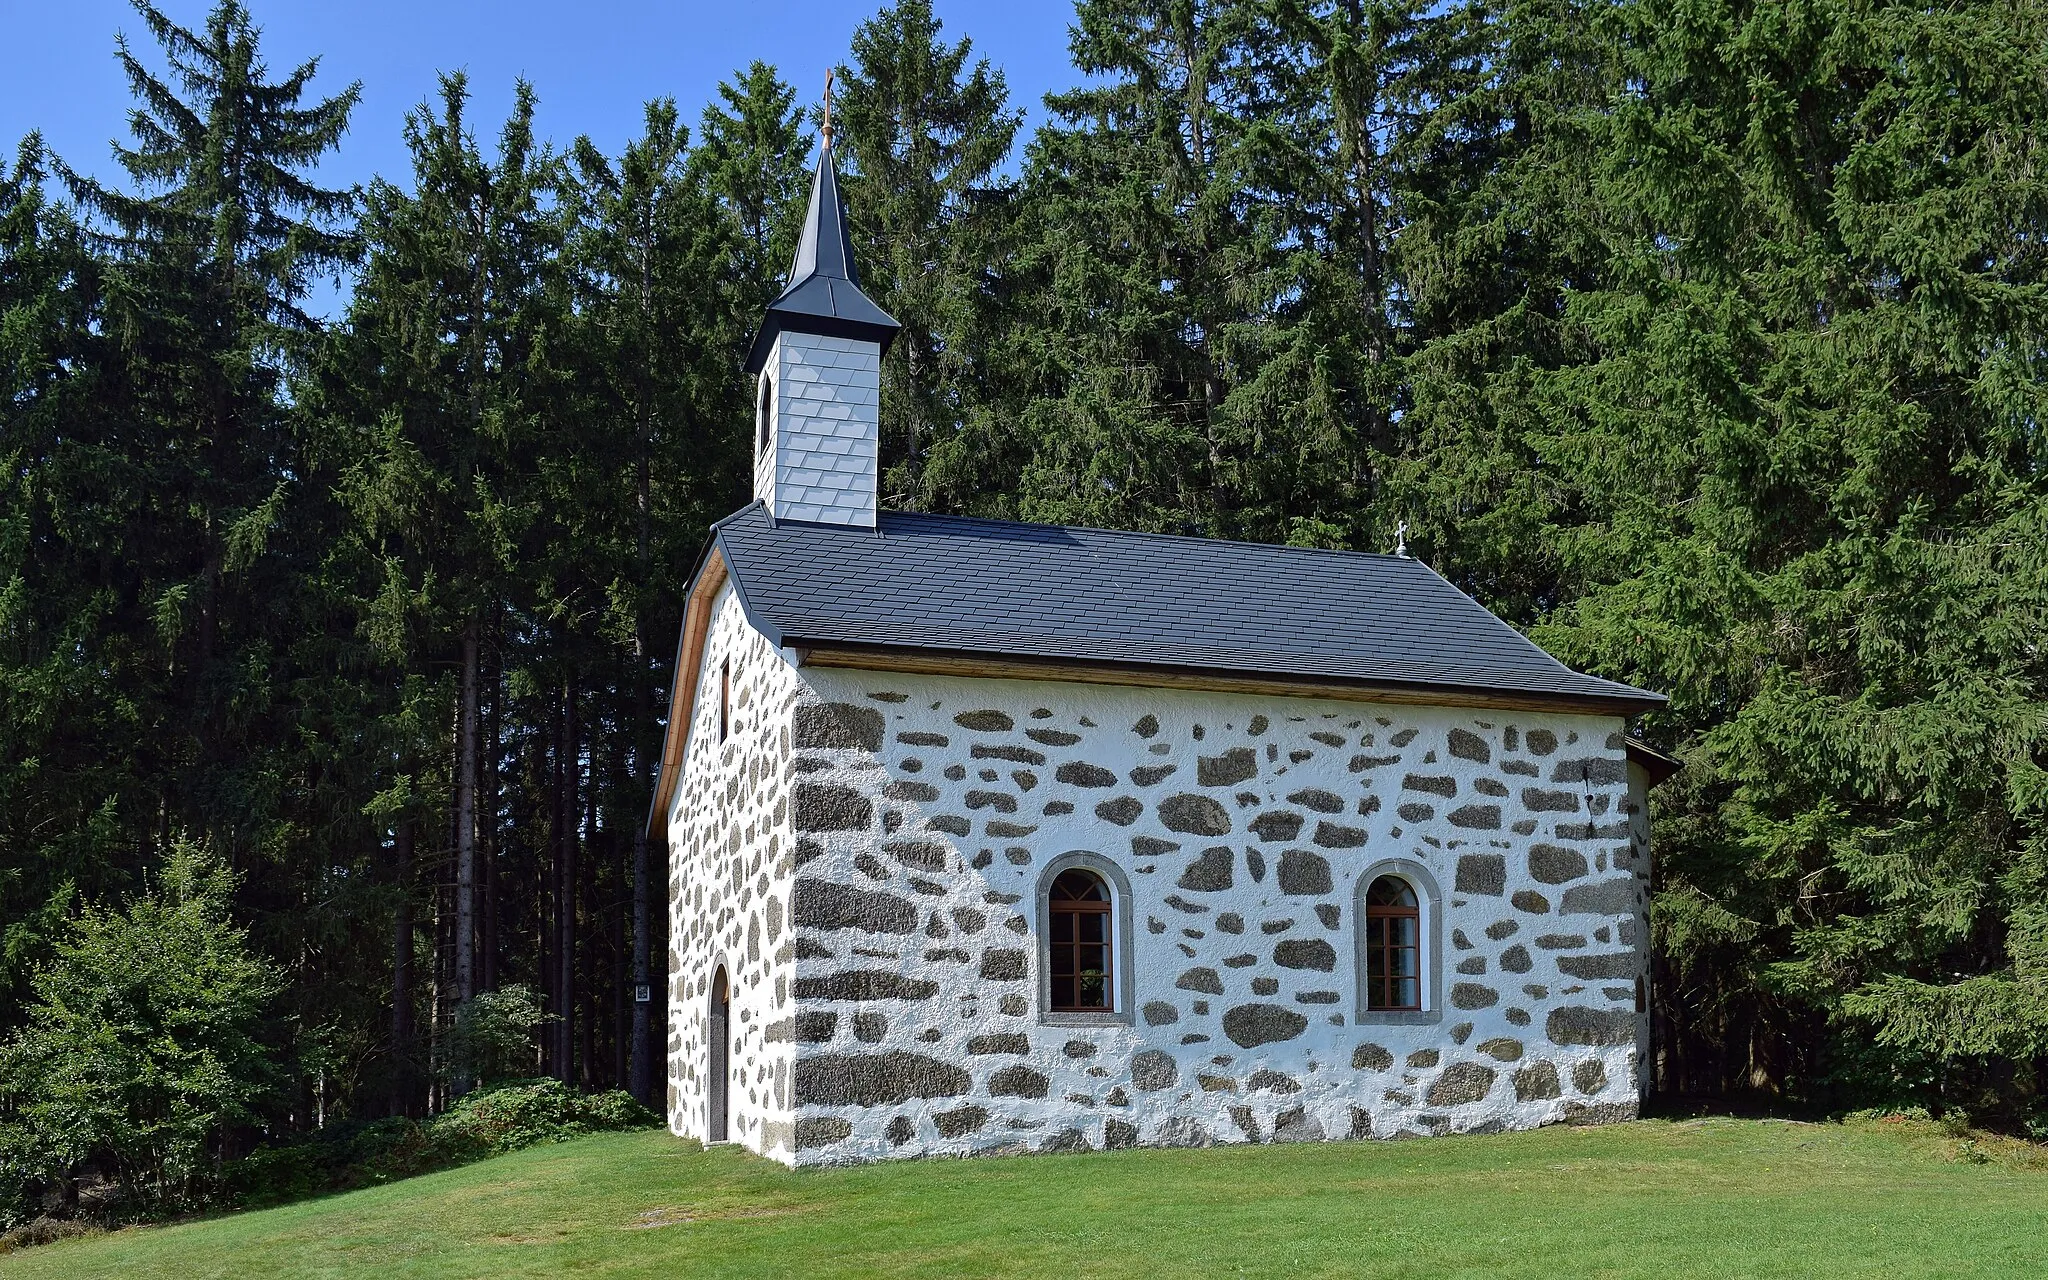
pixel 1393 946
pixel 761 418
pixel 1079 938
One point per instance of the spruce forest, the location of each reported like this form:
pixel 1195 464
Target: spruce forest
pixel 1706 340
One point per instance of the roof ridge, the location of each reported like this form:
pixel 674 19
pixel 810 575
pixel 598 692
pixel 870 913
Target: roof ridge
pixel 1156 537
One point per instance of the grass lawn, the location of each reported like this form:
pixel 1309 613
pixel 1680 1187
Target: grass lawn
pixel 1656 1198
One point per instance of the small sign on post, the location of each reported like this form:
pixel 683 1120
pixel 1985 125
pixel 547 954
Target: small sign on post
pixel 642 993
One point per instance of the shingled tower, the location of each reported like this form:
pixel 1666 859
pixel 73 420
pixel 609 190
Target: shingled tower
pixel 818 358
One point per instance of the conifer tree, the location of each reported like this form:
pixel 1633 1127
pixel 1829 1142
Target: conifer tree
pixel 925 134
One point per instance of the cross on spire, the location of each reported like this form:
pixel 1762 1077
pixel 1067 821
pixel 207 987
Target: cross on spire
pixel 828 107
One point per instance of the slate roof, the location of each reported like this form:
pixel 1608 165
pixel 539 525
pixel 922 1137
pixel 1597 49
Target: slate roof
pixel 823 295
pixel 1055 592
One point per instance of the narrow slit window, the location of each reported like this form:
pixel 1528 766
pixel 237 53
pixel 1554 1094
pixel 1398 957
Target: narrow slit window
pixel 1078 911
pixel 1393 946
pixel 767 408
pixel 724 700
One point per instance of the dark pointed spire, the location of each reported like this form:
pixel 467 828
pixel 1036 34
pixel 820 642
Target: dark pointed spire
pixel 823 295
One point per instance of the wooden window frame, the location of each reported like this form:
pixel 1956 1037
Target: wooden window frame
pixel 1080 909
pixel 1432 928
pixel 1123 988
pixel 1378 994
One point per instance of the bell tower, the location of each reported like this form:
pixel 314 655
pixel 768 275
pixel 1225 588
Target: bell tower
pixel 817 362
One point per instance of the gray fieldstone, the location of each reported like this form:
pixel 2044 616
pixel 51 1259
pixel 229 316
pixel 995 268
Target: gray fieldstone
pixel 1422 1059
pixel 1147 726
pixel 1333 835
pixel 815 1028
pixel 1305 953
pixel 1580 1113
pixel 1589 1076
pixel 1271 1080
pixel 1470 746
pixel 1251 1025
pixel 1613 964
pixel 864 984
pixel 1119 1135
pixel 1158 1013
pixel 870 1028
pixel 1537 1082
pixel 907 789
pixel 1319 800
pixel 1501 1048
pixel 1000 830
pixel 1012 1005
pixel 823 904
pixel 928 854
pixel 985 721
pixel 1277 826
pixel 1303 873
pixel 1146 775
pixel 1151 847
pixel 1230 922
pixel 951 825
pixel 999 965
pixel 1460 1083
pixel 1537 800
pixel 1601 898
pixel 1561 941
pixel 1516 959
pixel 1485 874
pixel 875 1080
pixel 1488 787
pixel 1078 1049
pixel 1000 1042
pixel 1066 1140
pixel 1076 773
pixel 901 1130
pixel 1436 785
pixel 821 806
pixel 1122 811
pixel 996 800
pixel 1415 813
pixel 1530 901
pixel 1470 995
pixel 1255 862
pixel 1052 737
pixel 1153 1070
pixel 1574 1025
pixel 1233 766
pixel 1502 929
pixel 1541 742
pixel 835 726
pixel 1598 770
pixel 961 1121
pixel 1018 1081
pixel 1371 1057
pixel 1200 979
pixel 1005 751
pixel 1555 864
pixel 1476 817
pixel 923 739
pixel 820 1131
pixel 1472 965
pixel 1194 815
pixel 1208 873
pixel 1296 1125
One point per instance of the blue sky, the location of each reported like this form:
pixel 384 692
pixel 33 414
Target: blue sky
pixel 594 63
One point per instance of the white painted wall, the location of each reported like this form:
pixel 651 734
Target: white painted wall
pixel 729 894
pixel 825 437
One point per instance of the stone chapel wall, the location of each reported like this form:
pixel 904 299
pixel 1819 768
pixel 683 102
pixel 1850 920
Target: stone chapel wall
pixel 729 889
pixel 927 812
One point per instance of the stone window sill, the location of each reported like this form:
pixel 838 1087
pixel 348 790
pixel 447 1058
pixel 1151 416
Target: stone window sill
pixel 1079 1019
pixel 1390 1018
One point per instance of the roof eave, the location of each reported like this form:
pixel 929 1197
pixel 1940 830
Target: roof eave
pixel 989 663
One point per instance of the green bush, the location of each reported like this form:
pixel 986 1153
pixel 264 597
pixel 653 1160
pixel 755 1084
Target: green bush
pixel 490 1122
pixel 140 1054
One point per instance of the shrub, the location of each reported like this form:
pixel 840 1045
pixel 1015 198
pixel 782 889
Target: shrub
pixel 140 1050
pixel 490 1122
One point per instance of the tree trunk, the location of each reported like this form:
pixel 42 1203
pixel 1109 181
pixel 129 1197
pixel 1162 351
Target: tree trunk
pixel 492 843
pixel 566 894
pixel 465 823
pixel 402 1074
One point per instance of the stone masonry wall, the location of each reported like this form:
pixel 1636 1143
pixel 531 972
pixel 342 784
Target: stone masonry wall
pixel 926 812
pixel 729 891
pixel 826 429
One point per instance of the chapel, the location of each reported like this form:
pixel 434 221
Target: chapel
pixel 993 837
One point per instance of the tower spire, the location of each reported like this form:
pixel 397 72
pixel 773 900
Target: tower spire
pixel 823 295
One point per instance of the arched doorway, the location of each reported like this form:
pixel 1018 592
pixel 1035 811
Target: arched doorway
pixel 720 1037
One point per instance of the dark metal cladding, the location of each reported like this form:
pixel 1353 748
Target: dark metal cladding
pixel 1052 592
pixel 824 294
